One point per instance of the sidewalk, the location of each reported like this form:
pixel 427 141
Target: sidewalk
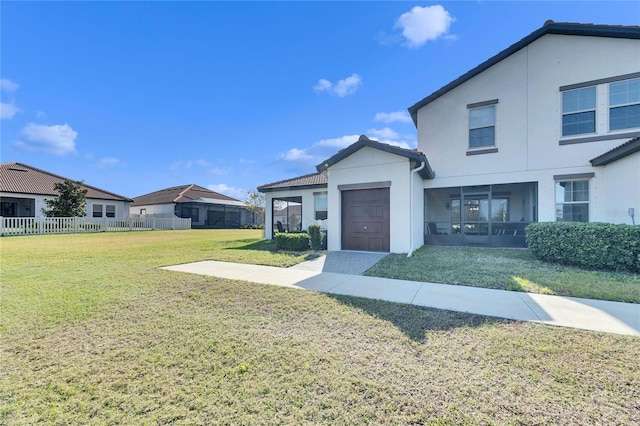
pixel 587 314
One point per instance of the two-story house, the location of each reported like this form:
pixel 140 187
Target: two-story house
pixel 548 129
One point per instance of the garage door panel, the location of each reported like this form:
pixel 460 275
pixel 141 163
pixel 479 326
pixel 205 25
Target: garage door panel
pixel 365 220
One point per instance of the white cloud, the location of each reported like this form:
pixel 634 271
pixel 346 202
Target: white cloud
pixel 188 164
pixel 339 142
pixel 295 154
pixel 58 139
pixel 8 85
pixel 7 111
pixel 225 189
pixel 219 172
pixel 391 137
pixel 342 88
pixel 109 162
pixel 423 24
pixel 393 117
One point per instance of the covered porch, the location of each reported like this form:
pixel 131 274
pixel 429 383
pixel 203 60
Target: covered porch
pixel 481 215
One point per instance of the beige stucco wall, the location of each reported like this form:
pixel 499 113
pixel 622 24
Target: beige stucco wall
pixel 367 166
pixel 528 122
pixel 122 208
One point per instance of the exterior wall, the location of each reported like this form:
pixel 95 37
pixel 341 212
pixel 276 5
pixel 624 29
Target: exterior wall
pixel 617 190
pixel 529 123
pixel 370 165
pixel 158 209
pixel 122 207
pixel 308 208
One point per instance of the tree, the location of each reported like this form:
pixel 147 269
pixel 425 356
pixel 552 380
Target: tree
pixel 255 202
pixel 70 203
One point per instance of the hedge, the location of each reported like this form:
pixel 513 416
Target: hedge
pixel 318 238
pixel 293 241
pixel 602 246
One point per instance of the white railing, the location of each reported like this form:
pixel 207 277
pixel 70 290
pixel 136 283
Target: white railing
pixel 70 225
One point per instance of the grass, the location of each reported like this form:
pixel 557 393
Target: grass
pixel 507 269
pixel 94 333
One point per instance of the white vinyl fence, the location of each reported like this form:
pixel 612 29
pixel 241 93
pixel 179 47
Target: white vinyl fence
pixel 70 225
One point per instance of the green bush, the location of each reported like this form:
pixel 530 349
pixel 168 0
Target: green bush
pixel 602 246
pixel 293 241
pixel 316 236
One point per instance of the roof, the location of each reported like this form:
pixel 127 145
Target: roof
pixel 627 148
pixel 310 181
pixel 550 27
pixel 19 178
pixel 184 194
pixel 411 154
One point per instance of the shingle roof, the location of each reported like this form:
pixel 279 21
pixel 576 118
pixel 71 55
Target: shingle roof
pixel 19 178
pixel 621 151
pixel 411 154
pixel 183 194
pixel 313 180
pixel 550 27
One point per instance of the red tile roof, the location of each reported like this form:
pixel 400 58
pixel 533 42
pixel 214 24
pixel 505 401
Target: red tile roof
pixel 19 178
pixel 180 194
pixel 313 180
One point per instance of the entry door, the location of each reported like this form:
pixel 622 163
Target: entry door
pixel 365 220
pixel 475 219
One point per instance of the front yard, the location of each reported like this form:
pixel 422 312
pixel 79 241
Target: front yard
pixel 94 333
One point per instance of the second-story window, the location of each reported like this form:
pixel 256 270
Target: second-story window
pixel 579 111
pixel 482 126
pixel 624 104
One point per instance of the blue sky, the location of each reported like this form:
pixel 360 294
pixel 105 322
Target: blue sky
pixel 133 97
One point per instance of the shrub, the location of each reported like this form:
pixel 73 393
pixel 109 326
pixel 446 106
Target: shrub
pixel 595 245
pixel 293 241
pixel 316 236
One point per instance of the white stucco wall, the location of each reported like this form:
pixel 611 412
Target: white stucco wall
pixel 122 208
pixel 528 123
pixel 617 189
pixel 367 166
pixel 164 209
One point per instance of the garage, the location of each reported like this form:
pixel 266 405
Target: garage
pixel 365 220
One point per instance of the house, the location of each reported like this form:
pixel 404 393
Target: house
pixel 546 130
pixel 206 208
pixel 24 189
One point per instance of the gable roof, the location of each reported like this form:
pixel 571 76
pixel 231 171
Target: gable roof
pixel 629 147
pixel 184 194
pixel 550 27
pixel 411 154
pixel 310 181
pixel 19 178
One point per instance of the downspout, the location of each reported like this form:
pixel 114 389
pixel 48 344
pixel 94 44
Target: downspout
pixel 422 165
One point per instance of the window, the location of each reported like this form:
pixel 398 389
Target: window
pixel 482 126
pixel 624 104
pixel 320 201
pixel 111 210
pixel 579 111
pixel 97 210
pixel 572 201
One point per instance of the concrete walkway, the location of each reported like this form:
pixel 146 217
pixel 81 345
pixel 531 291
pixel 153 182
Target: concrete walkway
pixel 587 314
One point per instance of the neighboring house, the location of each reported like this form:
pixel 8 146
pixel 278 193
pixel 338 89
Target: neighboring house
pixel 24 189
pixel 546 130
pixel 206 208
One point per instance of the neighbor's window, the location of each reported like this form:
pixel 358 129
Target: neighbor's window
pixel 97 210
pixel 111 210
pixel 579 111
pixel 482 126
pixel 624 104
pixel 320 201
pixel 572 201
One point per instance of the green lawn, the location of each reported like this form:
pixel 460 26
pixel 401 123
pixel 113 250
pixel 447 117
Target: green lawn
pixel 94 333
pixel 507 269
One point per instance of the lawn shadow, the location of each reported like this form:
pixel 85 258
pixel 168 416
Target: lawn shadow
pixel 270 246
pixel 415 321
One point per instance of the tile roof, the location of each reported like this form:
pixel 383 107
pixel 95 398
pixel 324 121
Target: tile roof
pixel 19 178
pixel 550 27
pixel 621 151
pixel 411 154
pixel 313 180
pixel 184 194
